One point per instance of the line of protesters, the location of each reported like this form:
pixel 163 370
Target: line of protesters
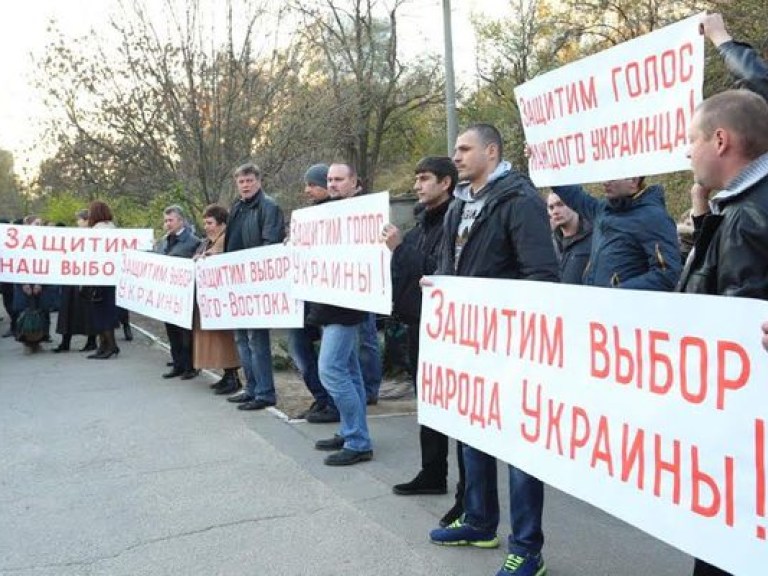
pixel 479 217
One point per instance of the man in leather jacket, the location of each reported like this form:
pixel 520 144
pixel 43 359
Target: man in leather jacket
pixel 729 155
pixel 254 220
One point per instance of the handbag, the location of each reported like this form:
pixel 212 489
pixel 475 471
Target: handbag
pixel 32 325
pixel 92 293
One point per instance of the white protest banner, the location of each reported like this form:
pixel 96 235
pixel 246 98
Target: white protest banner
pixel 158 286
pixel 338 256
pixel 247 289
pixel 620 113
pixel 72 256
pixel 658 417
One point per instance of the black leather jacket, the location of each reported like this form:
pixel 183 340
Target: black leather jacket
pixel 745 63
pixel 259 222
pixel 731 249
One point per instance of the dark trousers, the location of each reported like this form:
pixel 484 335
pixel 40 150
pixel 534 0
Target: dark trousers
pixel 180 340
pixel 7 290
pixel 434 444
pixel 701 568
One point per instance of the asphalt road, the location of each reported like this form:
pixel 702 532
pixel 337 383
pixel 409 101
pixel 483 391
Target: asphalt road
pixel 107 469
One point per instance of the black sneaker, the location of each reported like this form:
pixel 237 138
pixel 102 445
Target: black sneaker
pixel 420 485
pixel 240 398
pixel 335 443
pixel 452 515
pixel 324 415
pixel 346 457
pixel 314 407
pixel 256 404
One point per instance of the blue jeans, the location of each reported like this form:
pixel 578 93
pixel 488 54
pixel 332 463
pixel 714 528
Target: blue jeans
pixel 370 356
pixel 481 502
pixel 255 353
pixel 302 350
pixel 339 371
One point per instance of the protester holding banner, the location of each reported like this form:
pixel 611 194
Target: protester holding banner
pixel 179 242
pixel 338 363
pixel 342 186
pixel 254 220
pixel 741 59
pixel 101 306
pixel 74 311
pixel 301 341
pixel 496 228
pixel 729 154
pixel 215 348
pixel 414 256
pixel 634 243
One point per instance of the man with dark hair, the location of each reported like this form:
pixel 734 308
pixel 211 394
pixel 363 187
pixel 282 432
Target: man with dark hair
pixel 729 154
pixel 301 341
pixel 572 236
pixel 179 241
pixel 414 256
pixel 255 220
pixel 496 228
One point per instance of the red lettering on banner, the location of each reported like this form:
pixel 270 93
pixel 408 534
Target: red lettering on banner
pixel 664 130
pixel 760 478
pixel 12 238
pixel 323 232
pixel 610 359
pixel 26 266
pixel 255 305
pixel 560 102
pixel 591 440
pixel 656 73
pixel 468 395
pixel 365 228
pixel 528 334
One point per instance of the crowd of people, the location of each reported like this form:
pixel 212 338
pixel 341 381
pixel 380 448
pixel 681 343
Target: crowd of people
pixel 477 217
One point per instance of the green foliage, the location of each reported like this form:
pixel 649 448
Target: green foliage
pixel 62 207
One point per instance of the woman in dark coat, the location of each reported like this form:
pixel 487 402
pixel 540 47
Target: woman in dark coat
pixel 74 310
pixel 102 308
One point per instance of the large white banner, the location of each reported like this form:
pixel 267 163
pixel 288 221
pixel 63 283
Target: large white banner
pixel 73 256
pixel 158 286
pixel 248 289
pixel 658 417
pixel 338 256
pixel 623 112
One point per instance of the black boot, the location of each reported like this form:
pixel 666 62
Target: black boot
pixel 127 331
pixel 108 347
pixel 66 340
pixel 230 383
pixel 90 344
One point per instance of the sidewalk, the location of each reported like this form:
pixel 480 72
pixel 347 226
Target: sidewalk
pixel 107 469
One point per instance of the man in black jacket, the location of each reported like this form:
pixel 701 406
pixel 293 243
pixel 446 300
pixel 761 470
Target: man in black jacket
pixel 729 154
pixel 179 241
pixel 497 227
pixel 413 256
pixel 254 220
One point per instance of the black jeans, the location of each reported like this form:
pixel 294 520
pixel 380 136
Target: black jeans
pixel 180 340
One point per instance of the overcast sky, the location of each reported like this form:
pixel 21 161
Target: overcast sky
pixel 23 36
